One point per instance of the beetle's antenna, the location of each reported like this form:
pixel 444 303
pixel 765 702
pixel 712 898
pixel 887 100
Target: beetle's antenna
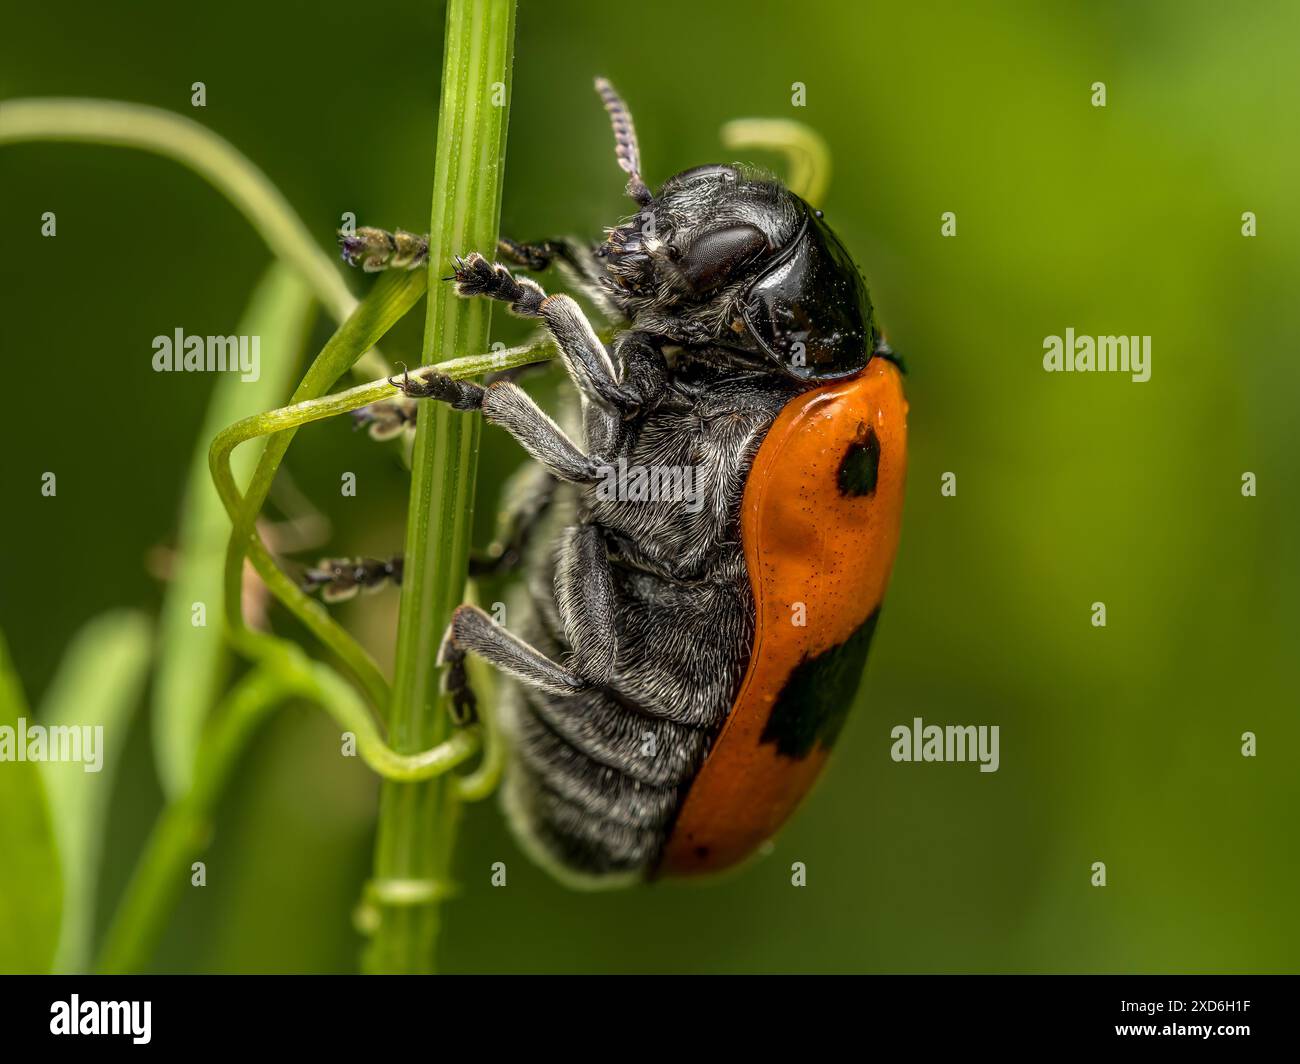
pixel 629 155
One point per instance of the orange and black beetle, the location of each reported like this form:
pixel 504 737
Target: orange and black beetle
pixel 717 540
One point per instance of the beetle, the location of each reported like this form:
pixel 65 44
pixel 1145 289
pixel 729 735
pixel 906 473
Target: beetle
pixel 680 667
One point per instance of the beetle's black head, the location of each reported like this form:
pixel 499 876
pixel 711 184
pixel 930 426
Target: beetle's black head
pixel 727 256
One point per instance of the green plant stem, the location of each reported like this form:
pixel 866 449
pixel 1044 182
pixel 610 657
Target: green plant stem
pixel 191 665
pixel 183 829
pixel 805 150
pixel 391 297
pixel 213 158
pixel 417 823
pixel 286 420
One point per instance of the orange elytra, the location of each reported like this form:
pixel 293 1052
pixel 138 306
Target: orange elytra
pixel 820 523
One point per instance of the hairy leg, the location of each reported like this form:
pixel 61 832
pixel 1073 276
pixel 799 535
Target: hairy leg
pixel 472 630
pixel 592 368
pixel 577 263
pixel 585 598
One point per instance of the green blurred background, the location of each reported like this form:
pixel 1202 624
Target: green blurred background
pixel 1119 744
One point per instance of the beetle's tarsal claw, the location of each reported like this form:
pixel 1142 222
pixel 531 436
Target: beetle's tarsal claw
pixel 462 702
pixel 474 275
pixel 429 384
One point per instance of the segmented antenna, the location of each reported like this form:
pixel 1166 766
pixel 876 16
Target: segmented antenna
pixel 629 155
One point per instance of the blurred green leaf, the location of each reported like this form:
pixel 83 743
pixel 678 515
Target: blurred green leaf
pixel 192 659
pixel 29 872
pixel 98 685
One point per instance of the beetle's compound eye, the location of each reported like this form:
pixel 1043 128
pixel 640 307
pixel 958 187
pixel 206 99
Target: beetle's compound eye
pixel 810 310
pixel 713 257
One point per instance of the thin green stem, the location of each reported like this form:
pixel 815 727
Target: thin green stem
pixel 189 669
pixel 184 827
pixel 392 297
pixel 805 150
pixel 212 157
pixel 337 698
pixel 286 420
pixel 301 413
pixel 417 823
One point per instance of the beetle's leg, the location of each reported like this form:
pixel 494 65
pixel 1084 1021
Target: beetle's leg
pixel 386 418
pixel 503 403
pixel 378 249
pixel 339 579
pixel 577 263
pixel 472 630
pixel 528 496
pixel 644 370
pixel 584 596
pixel 507 405
pixel 585 357
pixel 538 256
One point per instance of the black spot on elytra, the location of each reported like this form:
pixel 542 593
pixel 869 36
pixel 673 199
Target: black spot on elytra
pixel 815 701
pixel 860 464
